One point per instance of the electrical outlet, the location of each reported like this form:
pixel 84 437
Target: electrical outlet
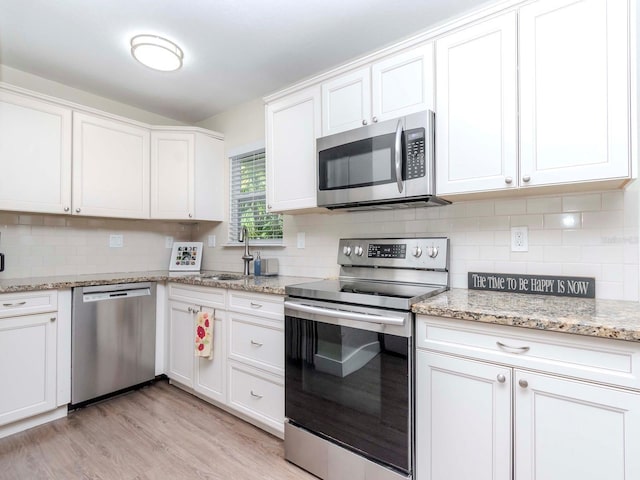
pixel 211 241
pixel 116 240
pixel 301 240
pixel 519 239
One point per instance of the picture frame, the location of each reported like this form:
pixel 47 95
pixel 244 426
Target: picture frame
pixel 186 257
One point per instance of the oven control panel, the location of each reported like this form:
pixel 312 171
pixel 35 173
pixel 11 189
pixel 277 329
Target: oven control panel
pixel 418 253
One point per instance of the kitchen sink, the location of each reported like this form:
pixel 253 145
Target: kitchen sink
pixel 223 277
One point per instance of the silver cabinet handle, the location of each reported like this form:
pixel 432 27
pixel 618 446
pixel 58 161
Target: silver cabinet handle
pixel 511 349
pixel 190 216
pixel 501 378
pixel 523 383
pixel 508 180
pixel 66 209
pixel 526 178
pixel 364 122
pixel 255 395
pixel 256 305
pixel 345 315
pixel 375 119
pixel 269 207
pixel 77 210
pixel 17 304
pixel 52 319
pixel 257 344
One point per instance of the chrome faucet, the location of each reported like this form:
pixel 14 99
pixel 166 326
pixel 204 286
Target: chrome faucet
pixel 247 257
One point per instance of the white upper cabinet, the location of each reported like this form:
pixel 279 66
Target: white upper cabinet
pixel 35 155
pixel 346 102
pixel 476 105
pixel 292 124
pixel 574 91
pixel 110 167
pixel 393 87
pixel 186 176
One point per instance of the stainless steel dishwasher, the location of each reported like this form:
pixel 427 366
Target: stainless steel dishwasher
pixel 113 343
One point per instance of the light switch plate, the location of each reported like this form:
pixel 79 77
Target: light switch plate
pixel 116 240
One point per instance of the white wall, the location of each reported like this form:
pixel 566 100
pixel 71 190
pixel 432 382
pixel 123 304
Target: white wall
pixel 55 89
pixel 602 243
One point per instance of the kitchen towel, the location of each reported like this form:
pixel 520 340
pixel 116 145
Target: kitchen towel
pixel 204 334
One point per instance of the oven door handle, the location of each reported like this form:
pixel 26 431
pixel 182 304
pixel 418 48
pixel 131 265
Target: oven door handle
pixel 335 313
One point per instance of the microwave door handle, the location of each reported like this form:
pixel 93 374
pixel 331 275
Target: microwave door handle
pixel 398 155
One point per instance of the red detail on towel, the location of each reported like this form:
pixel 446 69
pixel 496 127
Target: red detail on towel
pixel 201 332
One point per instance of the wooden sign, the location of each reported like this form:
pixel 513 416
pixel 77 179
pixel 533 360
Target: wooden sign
pixel 581 287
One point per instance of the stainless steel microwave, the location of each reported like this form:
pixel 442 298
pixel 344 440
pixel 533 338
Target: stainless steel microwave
pixel 382 165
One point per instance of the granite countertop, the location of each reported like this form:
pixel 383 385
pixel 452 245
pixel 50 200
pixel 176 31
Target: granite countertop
pixel 593 317
pixel 273 285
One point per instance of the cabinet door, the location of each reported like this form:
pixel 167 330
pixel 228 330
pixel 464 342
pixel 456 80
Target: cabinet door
pixel 182 326
pixel 403 84
pixel 293 124
pixel 346 102
pixel 210 377
pixel 110 168
pixel 463 419
pixel 573 430
pixel 574 91
pixel 476 108
pixel 172 175
pixel 27 366
pixel 35 155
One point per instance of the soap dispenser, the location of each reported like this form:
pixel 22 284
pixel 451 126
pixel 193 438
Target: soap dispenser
pixel 257 265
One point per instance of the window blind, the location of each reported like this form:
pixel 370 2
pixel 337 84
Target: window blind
pixel 248 203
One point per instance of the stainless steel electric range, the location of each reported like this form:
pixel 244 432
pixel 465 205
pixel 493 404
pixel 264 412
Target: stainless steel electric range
pixel 349 370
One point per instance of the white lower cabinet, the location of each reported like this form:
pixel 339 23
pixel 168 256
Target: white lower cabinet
pixel 35 366
pixel 206 376
pixel 246 374
pixel 506 417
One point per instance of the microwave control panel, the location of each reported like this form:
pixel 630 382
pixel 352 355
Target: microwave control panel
pixel 415 166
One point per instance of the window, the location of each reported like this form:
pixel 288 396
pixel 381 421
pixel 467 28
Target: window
pixel 248 203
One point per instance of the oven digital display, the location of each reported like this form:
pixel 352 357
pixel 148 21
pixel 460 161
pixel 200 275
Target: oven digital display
pixel 377 250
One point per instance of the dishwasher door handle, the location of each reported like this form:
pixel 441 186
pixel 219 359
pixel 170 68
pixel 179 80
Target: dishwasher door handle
pixel 100 296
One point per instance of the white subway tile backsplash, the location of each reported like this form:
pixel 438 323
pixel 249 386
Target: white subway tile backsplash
pixel 582 203
pixel 512 206
pixel 603 219
pixel 531 221
pixel 546 237
pixel 563 220
pixel 544 205
pixel 613 200
pixel 561 254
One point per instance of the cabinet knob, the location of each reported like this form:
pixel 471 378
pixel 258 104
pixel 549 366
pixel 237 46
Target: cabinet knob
pixel 77 210
pixel 269 207
pixel 375 119
pixel 53 319
pixel 523 383
pixel 501 378
pixel 190 216
pixel 526 178
pixel 508 180
pixel 364 122
pixel 66 209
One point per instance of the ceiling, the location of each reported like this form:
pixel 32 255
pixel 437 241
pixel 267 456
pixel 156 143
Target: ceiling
pixel 234 50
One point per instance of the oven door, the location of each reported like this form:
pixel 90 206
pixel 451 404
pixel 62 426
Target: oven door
pixel 348 378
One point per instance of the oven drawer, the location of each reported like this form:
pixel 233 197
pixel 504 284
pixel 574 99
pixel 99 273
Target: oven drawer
pixel 257 394
pixel 196 295
pixel 257 341
pixel 26 303
pixel 268 306
pixel 609 361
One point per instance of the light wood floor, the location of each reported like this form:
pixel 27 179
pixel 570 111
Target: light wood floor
pixel 159 432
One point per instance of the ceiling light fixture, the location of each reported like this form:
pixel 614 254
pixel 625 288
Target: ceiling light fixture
pixel 156 52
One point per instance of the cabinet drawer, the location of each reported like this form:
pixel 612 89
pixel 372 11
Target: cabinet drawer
pixel 615 362
pixel 257 394
pixel 257 341
pixel 195 295
pixel 268 306
pixel 25 303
